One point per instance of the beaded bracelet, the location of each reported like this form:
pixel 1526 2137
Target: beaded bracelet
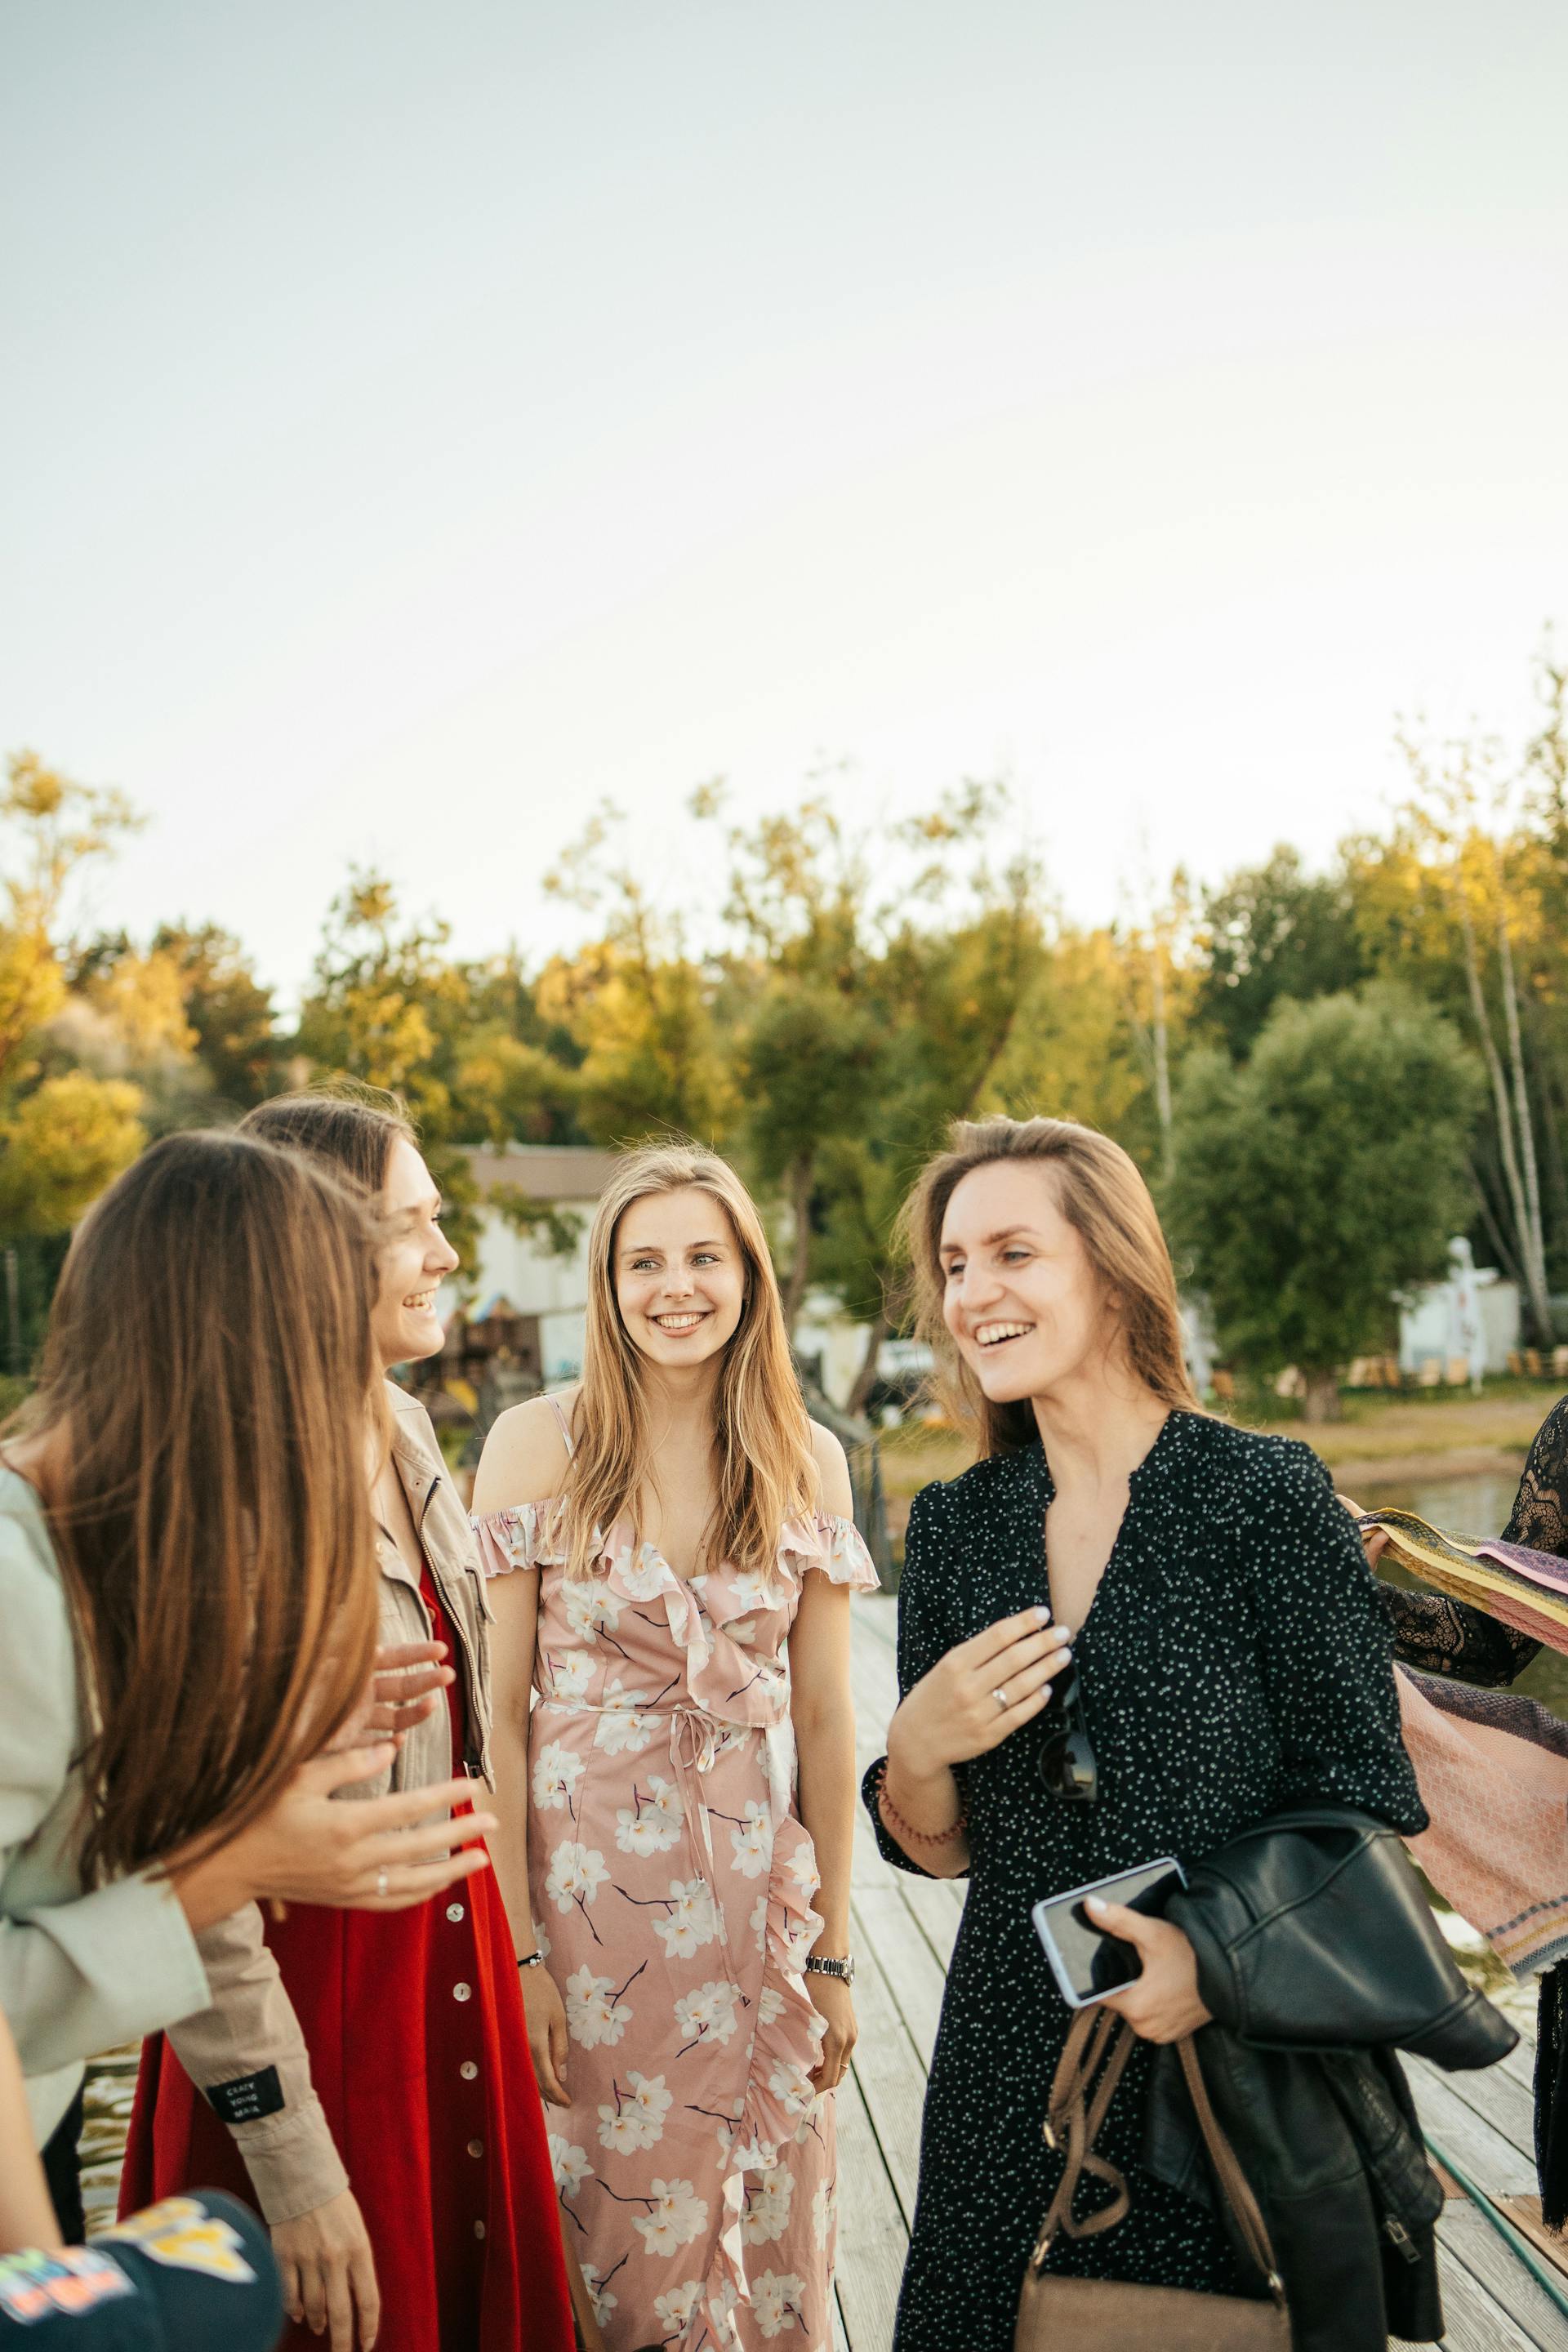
pixel 903 1829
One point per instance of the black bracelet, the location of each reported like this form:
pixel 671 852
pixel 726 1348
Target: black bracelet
pixel 530 1960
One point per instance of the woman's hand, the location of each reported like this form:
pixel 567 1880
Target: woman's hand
pixel 547 2038
pixel 328 2272
pixel 1375 1540
pixel 403 1692
pixel 1165 2002
pixel 978 1695
pixel 830 1998
pixel 379 1853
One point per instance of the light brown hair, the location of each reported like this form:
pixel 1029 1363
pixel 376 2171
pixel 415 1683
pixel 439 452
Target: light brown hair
pixel 347 1128
pixel 207 1494
pixel 1099 1190
pixel 765 1473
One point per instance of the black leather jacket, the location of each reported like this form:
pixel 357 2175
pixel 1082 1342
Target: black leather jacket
pixel 1318 1958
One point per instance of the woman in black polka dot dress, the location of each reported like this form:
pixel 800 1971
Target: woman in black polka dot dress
pixel 1216 1649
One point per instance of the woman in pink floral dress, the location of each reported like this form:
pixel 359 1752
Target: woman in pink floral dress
pixel 672 1560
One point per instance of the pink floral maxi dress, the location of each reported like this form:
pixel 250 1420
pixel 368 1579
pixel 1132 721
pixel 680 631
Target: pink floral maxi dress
pixel 672 1883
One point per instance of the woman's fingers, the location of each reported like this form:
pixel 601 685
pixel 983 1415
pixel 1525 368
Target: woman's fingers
pixel 418 1881
pixel 395 1657
pixel 981 1647
pixel 340 2304
pixel 367 2294
pixel 385 1847
pixel 313 2293
pixel 288 2286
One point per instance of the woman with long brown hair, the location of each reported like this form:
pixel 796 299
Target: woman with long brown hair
pixel 187 1591
pixel 1129 1632
pixel 673 1556
pixel 406 2069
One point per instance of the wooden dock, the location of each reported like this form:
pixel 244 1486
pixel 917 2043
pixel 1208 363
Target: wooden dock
pixel 903 1934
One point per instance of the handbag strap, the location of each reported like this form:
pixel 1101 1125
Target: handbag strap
pixel 1099 2043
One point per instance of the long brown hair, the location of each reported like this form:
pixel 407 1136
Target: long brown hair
pixel 1101 1192
pixel 766 1473
pixel 347 1128
pixel 206 1490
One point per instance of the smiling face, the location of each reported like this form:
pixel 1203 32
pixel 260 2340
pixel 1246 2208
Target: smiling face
pixel 414 1257
pixel 680 1275
pixel 1027 1310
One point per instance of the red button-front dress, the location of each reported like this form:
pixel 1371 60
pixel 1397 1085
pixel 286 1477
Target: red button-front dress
pixel 415 2024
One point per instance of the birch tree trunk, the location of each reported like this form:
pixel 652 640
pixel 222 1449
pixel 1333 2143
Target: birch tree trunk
pixel 1540 1314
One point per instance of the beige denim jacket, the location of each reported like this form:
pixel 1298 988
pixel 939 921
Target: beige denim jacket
pixel 251 2032
pixel 81 1971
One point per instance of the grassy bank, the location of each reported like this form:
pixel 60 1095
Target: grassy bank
pixel 1384 1440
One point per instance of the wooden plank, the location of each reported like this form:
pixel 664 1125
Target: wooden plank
pixel 840 2340
pixel 1469 2238
pixel 871 2237
pixel 1502 2101
pixel 1474 2319
pixel 931 1901
pixel 913 1974
pixel 892 2079
pixel 1492 2161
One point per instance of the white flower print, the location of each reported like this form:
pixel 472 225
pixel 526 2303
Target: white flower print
pixel 760 1920
pixel 766 2215
pixel 692 1922
pixel 709 2013
pixel 622 1730
pixel 752 1840
pixel 576 1873
pixel 594 2014
pixel 599 2294
pixel 791 2086
pixel 570 2164
pixel 777 2298
pixel 721 2308
pixel 756 1589
pixel 799 1936
pixel 823 2209
pixel 725 2136
pixel 541 1939
pixel 637 2120
pixel 771 2005
pixel 556 1772
pixel 651 1822
pixel 591 1607
pixel 643 1577
pixel 802 1868
pixel 519 1537
pixel 676 2309
pixel 742 1632
pixel 677 2215
pixel 570 1676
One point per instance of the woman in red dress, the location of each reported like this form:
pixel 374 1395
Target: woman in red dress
pixel 386 2052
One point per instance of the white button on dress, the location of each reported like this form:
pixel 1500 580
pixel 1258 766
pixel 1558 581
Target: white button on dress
pixel 462 1993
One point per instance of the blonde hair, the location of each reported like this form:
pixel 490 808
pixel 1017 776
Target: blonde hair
pixel 1099 1190
pixel 766 1473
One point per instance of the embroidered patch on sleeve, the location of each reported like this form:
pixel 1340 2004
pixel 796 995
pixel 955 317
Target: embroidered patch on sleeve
pixel 78 2279
pixel 247 2098
pixel 184 2236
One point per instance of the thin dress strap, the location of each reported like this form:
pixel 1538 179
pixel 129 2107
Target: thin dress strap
pixel 555 1403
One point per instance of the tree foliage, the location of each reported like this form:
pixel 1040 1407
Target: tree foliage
pixel 1323 1175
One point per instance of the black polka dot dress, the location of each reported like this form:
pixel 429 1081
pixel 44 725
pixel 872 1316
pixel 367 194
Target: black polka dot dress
pixel 1235 1661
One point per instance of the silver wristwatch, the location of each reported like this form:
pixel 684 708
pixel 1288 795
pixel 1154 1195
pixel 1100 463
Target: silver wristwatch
pixel 843 1970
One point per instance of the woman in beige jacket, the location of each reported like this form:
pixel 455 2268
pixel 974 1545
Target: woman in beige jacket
pixel 393 2057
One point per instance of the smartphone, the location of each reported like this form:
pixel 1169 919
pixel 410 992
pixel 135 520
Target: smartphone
pixel 1086 1961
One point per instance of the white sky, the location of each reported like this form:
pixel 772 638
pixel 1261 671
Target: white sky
pixel 425 420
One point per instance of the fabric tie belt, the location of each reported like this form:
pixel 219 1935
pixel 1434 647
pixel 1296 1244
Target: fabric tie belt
pixel 696 1741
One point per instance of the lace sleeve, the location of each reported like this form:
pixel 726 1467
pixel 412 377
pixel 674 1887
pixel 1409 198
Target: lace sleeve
pixel 1441 1636
pixel 1447 1637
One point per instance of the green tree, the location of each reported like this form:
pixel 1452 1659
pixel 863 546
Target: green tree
pixel 1323 1176
pixel 1275 930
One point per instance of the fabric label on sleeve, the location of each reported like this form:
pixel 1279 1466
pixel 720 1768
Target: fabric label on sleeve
pixel 247 2098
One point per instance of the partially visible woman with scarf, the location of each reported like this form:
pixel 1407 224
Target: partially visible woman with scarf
pixel 1461 1647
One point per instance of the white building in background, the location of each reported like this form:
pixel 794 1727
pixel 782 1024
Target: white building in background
pixel 1474 1316
pixel 520 1274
